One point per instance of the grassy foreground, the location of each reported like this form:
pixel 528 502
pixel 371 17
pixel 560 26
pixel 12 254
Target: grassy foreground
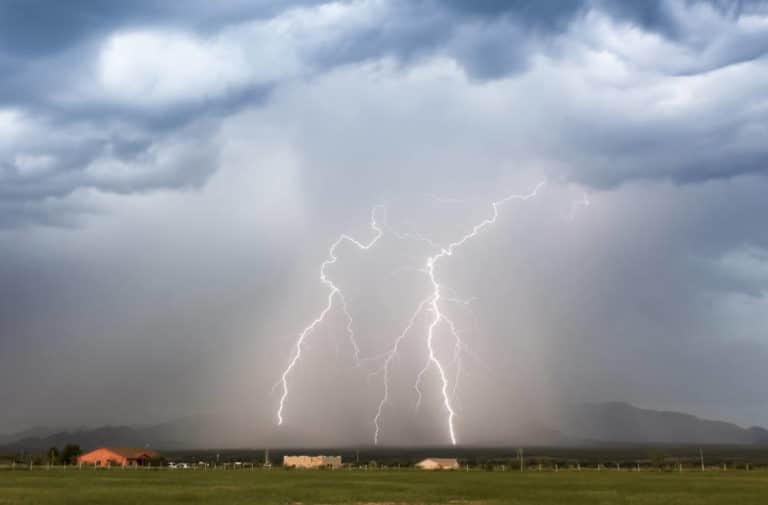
pixel 318 487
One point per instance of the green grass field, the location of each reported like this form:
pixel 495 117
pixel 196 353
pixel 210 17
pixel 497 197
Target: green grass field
pixel 316 487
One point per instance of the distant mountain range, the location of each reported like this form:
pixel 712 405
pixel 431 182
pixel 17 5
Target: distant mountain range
pixel 617 422
pixel 31 433
pixel 192 432
pixel 588 424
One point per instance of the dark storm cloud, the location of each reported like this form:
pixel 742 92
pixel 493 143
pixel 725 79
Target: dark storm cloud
pixel 551 17
pixel 165 119
pixel 106 162
pixel 557 14
pixel 34 28
pixel 38 29
pixel 43 43
pixel 46 47
pixel 720 144
pixel 550 14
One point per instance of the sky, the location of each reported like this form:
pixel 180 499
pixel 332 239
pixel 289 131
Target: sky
pixel 172 175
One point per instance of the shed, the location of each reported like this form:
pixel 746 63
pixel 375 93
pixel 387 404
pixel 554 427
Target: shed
pixel 438 464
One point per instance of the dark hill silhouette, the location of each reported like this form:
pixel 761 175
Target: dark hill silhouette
pixel 588 424
pixel 617 422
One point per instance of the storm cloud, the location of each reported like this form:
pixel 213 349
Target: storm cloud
pixel 171 179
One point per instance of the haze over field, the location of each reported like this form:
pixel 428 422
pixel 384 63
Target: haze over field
pixel 172 176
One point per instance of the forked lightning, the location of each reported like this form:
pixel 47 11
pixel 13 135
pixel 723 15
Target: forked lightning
pixel 431 304
pixel 333 293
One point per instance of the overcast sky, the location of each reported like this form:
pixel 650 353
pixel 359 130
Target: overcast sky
pixel 172 175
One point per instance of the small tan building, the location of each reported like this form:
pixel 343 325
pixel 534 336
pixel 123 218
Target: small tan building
pixel 438 464
pixel 312 461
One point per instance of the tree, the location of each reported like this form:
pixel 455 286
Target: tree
pixel 657 457
pixel 53 455
pixel 70 454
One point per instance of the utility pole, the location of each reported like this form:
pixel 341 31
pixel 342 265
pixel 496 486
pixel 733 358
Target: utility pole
pixel 701 456
pixel 520 457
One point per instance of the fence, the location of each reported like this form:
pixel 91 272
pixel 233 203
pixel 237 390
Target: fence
pixel 536 468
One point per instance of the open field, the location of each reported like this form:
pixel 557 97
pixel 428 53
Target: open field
pixel 405 486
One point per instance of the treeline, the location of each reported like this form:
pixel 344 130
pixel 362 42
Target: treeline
pixel 67 455
pixel 624 457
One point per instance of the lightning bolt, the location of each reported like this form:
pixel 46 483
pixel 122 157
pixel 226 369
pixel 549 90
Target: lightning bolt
pixel 432 304
pixel 333 293
pixel 456 360
pixel 439 317
pixel 459 345
pixel 387 362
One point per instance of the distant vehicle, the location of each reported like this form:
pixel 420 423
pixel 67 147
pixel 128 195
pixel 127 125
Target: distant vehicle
pixel 182 466
pixel 171 464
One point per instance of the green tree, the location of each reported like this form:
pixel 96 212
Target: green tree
pixel 53 455
pixel 70 454
pixel 658 458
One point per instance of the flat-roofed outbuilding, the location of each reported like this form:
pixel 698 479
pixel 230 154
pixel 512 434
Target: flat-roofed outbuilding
pixel 438 464
pixel 312 462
